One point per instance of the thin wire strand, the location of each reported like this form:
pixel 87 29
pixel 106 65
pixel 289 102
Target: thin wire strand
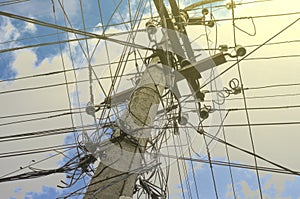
pixel 245 104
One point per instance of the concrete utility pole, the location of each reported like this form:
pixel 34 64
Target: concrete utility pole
pixel 117 173
pixel 116 177
pixel 113 182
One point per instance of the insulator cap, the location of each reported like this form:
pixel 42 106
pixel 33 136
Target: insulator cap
pixel 205 11
pixel 240 50
pixel 151 27
pixel 210 23
pixel 223 48
pixel 200 96
pixel 230 5
pixel 204 113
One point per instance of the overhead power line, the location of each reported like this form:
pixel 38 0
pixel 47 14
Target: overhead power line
pixel 247 55
pixel 70 30
pixel 36 150
pixel 10 2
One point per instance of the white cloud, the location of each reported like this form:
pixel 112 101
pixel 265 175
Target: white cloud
pixel 248 192
pixel 8 31
pixel 24 62
pixel 31 28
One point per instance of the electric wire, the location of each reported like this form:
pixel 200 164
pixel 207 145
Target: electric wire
pixel 70 30
pixel 232 164
pixel 36 150
pixel 129 60
pixel 246 105
pixel 39 118
pixel 36 162
pixel 107 77
pixel 224 137
pixel 192 165
pixel 253 17
pixel 251 153
pixel 91 127
pixel 147 18
pixel 10 2
pixel 257 48
pixel 211 167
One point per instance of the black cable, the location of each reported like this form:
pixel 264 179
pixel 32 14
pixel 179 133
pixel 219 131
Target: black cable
pixel 247 55
pixel 253 45
pixel 56 42
pixel 254 17
pixel 36 150
pixel 262 87
pixel 251 153
pixel 39 113
pixel 35 162
pixel 20 136
pixel 267 96
pixel 65 75
pixel 259 108
pixel 192 164
pixel 233 85
pixel 232 164
pixel 211 167
pixel 39 118
pixel 54 85
pixel 255 124
pixel 118 178
pixel 41 44
pixel 73 164
pixel 36 134
pixel 70 30
pixel 244 97
pixel 270 57
pixel 10 2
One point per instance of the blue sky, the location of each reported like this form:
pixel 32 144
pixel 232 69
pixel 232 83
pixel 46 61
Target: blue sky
pixel 245 181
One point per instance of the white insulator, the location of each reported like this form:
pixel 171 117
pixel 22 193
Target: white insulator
pixel 184 119
pixel 151 27
pixel 90 109
pixel 223 48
